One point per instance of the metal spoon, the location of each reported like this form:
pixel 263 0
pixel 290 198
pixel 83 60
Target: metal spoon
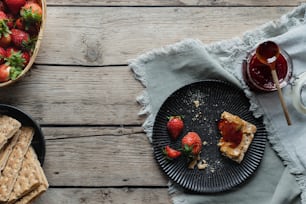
pixel 267 53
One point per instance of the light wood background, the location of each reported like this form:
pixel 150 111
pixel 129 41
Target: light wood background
pixel 82 92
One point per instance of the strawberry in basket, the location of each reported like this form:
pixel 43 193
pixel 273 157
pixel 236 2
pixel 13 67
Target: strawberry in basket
pixel 20 22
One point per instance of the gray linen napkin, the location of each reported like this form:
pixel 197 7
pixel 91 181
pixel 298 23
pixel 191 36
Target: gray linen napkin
pixel 280 178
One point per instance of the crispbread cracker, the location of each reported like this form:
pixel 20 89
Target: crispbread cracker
pixel 7 150
pixel 29 177
pixel 39 190
pixel 8 127
pixel 32 195
pixel 247 129
pixel 14 162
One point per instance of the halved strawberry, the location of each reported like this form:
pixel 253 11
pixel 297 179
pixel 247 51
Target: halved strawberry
pixel 171 153
pixel 15 5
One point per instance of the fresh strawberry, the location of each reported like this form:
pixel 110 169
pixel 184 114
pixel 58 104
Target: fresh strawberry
pixel 4 73
pixel 31 12
pixel 26 56
pixel 3 15
pixel 175 126
pixel 17 58
pixel 5 38
pixel 171 153
pixel 10 20
pixel 19 23
pixel 15 5
pixel 191 144
pixel 2 55
pixel 21 39
pixel 32 29
pixel 8 72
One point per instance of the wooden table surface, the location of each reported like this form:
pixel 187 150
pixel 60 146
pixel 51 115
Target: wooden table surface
pixel 83 94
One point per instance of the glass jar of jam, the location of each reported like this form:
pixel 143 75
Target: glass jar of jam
pixel 258 76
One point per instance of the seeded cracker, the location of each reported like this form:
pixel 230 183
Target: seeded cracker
pixel 14 163
pixel 8 127
pixel 30 177
pixel 7 150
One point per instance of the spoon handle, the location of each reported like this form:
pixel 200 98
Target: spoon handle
pixel 280 95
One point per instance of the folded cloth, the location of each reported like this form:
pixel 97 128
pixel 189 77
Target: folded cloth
pixel 280 178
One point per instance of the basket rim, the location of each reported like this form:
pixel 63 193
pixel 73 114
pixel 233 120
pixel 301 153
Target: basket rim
pixel 36 49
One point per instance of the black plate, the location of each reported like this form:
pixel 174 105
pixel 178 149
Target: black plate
pixel 214 97
pixel 38 141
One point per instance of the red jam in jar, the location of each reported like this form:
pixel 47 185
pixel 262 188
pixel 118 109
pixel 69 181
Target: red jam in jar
pixel 258 76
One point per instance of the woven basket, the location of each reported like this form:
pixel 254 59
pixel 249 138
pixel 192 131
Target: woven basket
pixel 35 52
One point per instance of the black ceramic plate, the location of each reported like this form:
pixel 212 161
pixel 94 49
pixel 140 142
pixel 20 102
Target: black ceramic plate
pixel 38 141
pixel 214 97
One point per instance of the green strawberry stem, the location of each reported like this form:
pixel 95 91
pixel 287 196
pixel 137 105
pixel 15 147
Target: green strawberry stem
pixel 30 17
pixel 15 72
pixel 15 60
pixel 4 29
pixel 187 151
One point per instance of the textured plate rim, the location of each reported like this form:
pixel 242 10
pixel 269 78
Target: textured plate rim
pixel 190 187
pixel 38 135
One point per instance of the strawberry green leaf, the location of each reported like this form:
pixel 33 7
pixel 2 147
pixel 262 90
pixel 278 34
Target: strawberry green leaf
pixel 30 17
pixel 29 45
pixel 15 60
pixel 15 72
pixel 4 29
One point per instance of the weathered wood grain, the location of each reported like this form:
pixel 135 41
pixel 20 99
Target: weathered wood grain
pixel 113 35
pixel 175 2
pixel 105 196
pixel 77 95
pixel 73 85
pixel 101 157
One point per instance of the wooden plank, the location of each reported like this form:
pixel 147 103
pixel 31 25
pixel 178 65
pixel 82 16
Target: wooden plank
pixel 101 157
pixel 112 35
pixel 105 196
pixel 175 2
pixel 77 95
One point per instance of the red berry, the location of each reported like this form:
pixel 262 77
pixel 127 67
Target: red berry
pixel 171 153
pixel 192 144
pixel 15 5
pixel 175 126
pixel 4 73
pixel 3 15
pixel 2 55
pixel 20 38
